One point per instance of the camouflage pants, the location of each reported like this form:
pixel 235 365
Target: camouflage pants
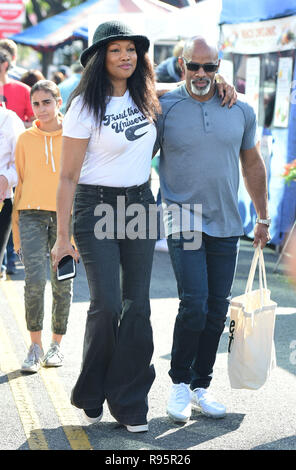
pixel 38 235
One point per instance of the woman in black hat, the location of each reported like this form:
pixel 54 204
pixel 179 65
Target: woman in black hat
pixel 109 135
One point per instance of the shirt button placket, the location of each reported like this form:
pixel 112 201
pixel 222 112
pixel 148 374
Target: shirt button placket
pixel 207 122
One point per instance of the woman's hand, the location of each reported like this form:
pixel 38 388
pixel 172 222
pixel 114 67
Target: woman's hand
pixel 162 88
pixel 226 92
pixel 3 187
pixel 60 249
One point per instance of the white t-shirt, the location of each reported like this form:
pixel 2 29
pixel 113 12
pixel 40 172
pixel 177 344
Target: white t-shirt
pixel 119 154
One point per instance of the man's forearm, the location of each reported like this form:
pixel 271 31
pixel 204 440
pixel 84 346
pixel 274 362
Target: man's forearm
pixel 255 181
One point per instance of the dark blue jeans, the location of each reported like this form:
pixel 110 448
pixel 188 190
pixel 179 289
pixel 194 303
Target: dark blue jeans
pixel 118 342
pixel 204 279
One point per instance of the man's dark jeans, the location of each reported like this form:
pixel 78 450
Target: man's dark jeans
pixel 204 279
pixel 118 342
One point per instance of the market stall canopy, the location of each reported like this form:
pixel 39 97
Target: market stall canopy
pixel 61 29
pixel 204 17
pixel 149 17
pixel 201 18
pixel 244 11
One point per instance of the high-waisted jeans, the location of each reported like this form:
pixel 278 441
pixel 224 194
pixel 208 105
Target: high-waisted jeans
pixel 204 279
pixel 118 342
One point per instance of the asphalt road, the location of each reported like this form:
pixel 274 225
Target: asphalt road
pixel 35 411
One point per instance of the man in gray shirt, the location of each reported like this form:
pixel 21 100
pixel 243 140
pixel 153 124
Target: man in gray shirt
pixel 201 144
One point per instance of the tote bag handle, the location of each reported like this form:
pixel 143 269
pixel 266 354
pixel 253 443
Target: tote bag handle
pixel 258 256
pixel 262 267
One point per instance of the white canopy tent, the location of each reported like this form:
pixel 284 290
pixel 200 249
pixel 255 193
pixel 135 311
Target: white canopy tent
pixel 169 23
pixel 198 19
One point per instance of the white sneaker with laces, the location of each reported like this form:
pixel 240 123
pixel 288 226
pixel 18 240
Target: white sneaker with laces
pixel 207 404
pixel 53 357
pixel 179 404
pixel 33 360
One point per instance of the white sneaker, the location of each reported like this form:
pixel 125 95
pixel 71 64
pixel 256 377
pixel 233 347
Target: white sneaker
pixel 161 245
pixel 33 360
pixel 207 404
pixel 179 404
pixel 53 357
pixel 93 416
pixel 137 427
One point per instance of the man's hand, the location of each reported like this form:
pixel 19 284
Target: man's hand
pixel 226 92
pixel 261 235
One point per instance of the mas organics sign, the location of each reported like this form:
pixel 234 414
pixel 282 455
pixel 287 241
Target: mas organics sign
pixel 261 37
pixel 12 16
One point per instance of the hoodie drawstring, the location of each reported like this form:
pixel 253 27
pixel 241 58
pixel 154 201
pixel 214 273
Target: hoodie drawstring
pixel 46 150
pixel 51 153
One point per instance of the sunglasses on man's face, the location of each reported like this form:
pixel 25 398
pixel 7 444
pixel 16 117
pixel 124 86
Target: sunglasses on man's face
pixel 195 66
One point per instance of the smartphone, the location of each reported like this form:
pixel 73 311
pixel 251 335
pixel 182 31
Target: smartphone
pixel 66 268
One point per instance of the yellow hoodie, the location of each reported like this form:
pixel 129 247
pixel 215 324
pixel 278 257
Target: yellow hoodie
pixel 37 161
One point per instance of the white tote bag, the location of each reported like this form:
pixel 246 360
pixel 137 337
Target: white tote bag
pixel 251 351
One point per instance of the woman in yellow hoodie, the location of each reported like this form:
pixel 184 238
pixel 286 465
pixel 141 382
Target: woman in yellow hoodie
pixel 37 155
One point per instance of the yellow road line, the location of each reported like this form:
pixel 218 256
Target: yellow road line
pixel 75 434
pixel 23 401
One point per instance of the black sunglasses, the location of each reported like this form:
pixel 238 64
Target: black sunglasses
pixel 195 66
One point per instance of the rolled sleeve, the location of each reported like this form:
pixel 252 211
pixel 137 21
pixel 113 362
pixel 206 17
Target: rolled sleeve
pixel 78 122
pixel 250 134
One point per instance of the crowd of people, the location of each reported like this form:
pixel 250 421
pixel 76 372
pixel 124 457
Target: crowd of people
pixel 94 158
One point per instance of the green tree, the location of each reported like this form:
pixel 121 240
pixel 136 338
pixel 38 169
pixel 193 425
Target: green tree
pixel 46 8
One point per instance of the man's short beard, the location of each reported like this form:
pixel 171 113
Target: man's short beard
pixel 200 91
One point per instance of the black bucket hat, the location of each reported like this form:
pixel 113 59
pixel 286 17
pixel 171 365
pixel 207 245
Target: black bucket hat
pixel 110 31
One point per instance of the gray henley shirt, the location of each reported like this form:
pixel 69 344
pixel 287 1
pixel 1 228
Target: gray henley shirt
pixel 199 144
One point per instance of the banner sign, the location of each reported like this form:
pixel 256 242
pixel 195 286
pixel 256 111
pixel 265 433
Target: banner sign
pixel 283 91
pixel 259 38
pixel 253 82
pixel 226 70
pixel 12 17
